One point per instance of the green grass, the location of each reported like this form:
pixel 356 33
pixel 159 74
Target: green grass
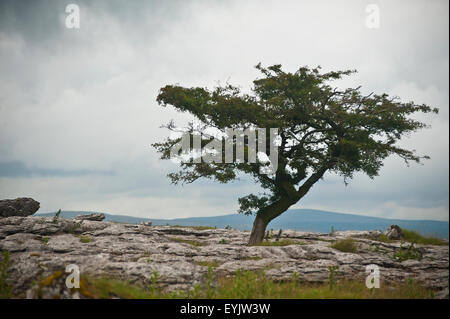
pixel 48 281
pixel 74 227
pixel 45 239
pixel 85 239
pixel 252 285
pixel 332 275
pixel 5 287
pixel 347 245
pixel 414 237
pixel 106 288
pixel 283 242
pixel 187 241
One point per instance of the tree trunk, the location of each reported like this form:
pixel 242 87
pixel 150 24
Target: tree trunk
pixel 258 230
pixel 291 196
pixel 266 215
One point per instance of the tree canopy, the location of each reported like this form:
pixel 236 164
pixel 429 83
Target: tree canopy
pixel 321 128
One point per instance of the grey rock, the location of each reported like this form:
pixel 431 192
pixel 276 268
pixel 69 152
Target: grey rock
pixel 92 217
pixel 146 223
pixel 23 206
pixel 41 246
pixel 394 232
pixel 443 294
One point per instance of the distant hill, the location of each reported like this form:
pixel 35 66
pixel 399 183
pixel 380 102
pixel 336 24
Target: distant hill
pixel 298 219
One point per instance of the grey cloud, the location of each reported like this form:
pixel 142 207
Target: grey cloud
pixel 19 169
pixel 82 103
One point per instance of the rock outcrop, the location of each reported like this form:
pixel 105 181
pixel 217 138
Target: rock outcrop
pixel 147 224
pixel 23 206
pixel 40 247
pixel 394 232
pixel 93 217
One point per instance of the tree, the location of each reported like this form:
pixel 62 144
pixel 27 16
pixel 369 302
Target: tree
pixel 321 128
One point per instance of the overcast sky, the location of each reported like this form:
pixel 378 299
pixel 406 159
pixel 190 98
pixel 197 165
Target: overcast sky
pixel 78 110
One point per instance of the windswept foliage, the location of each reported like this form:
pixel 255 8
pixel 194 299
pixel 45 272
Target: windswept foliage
pixel 321 128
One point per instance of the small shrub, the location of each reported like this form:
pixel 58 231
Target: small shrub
pixel 154 286
pixel 347 245
pixel 332 231
pixel 56 217
pixel 45 239
pixel 408 253
pixel 332 275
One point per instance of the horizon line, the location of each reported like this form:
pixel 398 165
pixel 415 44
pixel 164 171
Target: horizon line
pixel 302 209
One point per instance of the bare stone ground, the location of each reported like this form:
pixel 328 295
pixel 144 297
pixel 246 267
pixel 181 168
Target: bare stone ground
pixel 40 246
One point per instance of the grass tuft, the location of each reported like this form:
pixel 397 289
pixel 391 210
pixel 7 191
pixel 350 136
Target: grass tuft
pixel 252 285
pixel 347 245
pixel 85 239
pixel 48 281
pixel 45 239
pixel 5 287
pixel 283 242
pixel 414 237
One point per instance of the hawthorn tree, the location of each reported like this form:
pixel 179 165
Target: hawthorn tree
pixel 321 128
